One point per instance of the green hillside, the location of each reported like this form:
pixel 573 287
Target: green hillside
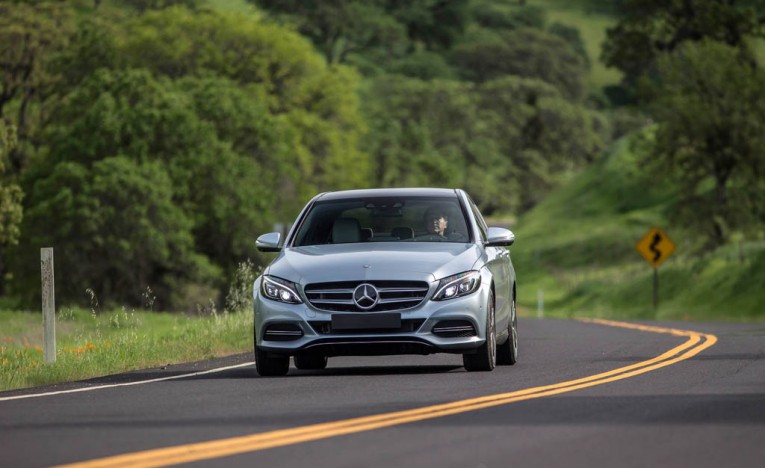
pixel 591 19
pixel 578 248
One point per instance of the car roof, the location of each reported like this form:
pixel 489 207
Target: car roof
pixel 388 192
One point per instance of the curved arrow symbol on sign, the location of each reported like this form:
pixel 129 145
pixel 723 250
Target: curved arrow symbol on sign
pixel 656 252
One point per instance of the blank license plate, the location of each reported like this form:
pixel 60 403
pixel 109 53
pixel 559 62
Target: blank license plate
pixel 365 321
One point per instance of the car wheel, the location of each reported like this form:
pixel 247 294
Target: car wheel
pixel 485 358
pixel 507 352
pixel 269 365
pixel 310 361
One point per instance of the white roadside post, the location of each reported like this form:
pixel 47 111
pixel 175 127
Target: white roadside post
pixel 48 304
pixel 540 303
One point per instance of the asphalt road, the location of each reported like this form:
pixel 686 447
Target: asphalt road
pixel 702 410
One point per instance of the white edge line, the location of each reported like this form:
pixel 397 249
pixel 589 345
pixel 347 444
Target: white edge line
pixel 125 384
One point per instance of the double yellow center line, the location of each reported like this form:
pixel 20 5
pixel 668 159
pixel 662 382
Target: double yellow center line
pixel 696 343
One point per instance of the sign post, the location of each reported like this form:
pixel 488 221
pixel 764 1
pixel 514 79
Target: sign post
pixel 655 247
pixel 48 304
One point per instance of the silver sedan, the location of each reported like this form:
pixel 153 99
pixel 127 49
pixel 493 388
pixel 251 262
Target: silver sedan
pixel 386 271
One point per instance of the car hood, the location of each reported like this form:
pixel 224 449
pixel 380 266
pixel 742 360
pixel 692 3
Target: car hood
pixel 416 261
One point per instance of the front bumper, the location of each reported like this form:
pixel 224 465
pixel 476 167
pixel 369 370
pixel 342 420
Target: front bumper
pixel 296 328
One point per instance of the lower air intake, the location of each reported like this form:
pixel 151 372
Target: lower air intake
pixel 282 332
pixel 454 329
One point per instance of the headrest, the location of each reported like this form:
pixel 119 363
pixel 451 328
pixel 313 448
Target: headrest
pixel 346 230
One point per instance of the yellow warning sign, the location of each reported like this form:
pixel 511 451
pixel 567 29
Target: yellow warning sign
pixel 655 247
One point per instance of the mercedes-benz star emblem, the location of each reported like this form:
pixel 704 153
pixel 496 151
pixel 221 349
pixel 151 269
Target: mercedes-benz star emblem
pixel 365 296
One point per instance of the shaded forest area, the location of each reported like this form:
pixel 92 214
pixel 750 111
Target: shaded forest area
pixel 149 142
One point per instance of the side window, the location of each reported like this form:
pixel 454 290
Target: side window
pixel 479 220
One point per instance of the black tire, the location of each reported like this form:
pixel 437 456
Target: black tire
pixel 507 352
pixel 485 358
pixel 311 361
pixel 270 365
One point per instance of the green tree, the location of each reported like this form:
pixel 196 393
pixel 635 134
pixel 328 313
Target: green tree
pixel 507 141
pixel 244 118
pixel 11 196
pixel 385 29
pixel 649 28
pixel 92 46
pixel 155 123
pixel 143 5
pixel 436 24
pixel 241 118
pixel 544 136
pixel 424 65
pixel 427 133
pixel 529 53
pixel 10 192
pixel 573 37
pixel 315 101
pixel 505 15
pixel 31 35
pixel 115 229
pixel 342 27
pixel 710 105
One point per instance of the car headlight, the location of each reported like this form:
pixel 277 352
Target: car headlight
pixel 280 290
pixel 458 285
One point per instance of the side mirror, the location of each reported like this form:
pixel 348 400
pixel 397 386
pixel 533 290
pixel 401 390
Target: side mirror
pixel 268 242
pixel 499 237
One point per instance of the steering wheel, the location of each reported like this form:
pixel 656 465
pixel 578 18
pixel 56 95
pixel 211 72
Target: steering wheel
pixel 429 238
pixel 457 236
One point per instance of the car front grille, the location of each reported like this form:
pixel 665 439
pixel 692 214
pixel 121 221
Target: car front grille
pixel 393 295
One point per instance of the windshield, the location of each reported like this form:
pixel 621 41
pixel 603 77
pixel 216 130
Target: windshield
pixel 390 219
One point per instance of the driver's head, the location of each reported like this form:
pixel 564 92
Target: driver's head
pixel 436 220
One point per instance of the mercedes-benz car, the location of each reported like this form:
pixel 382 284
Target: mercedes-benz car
pixel 384 272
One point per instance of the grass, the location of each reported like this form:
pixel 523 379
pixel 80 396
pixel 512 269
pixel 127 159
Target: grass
pixel 91 345
pixel 578 248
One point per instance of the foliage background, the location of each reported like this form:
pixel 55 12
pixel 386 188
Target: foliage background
pixel 149 142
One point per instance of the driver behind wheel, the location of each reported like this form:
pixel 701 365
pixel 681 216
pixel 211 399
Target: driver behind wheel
pixel 436 221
